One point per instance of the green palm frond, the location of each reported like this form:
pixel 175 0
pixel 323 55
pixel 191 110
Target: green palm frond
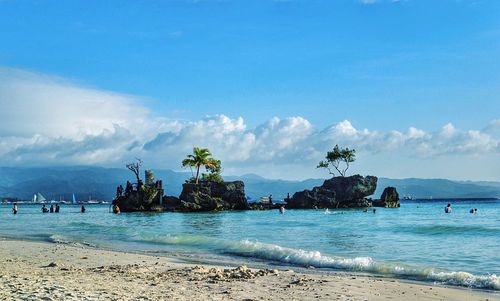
pixel 202 157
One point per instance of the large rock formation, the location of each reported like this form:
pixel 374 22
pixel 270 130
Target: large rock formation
pixel 389 198
pixel 137 201
pixel 140 196
pixel 205 196
pixel 338 192
pixel 211 196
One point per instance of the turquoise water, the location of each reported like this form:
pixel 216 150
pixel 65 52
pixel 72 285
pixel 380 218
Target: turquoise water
pixel 417 241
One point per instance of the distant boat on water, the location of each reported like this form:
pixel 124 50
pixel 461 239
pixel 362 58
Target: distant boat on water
pixel 73 201
pixel 62 200
pixel 38 198
pixel 264 200
pixel 91 201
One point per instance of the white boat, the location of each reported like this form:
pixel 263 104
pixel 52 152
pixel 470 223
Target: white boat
pixel 264 200
pixel 38 198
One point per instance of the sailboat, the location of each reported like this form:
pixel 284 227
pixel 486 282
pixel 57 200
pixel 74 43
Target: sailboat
pixel 38 198
pixel 91 201
pixel 73 201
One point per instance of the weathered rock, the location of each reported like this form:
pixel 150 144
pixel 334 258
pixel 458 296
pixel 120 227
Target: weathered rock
pixel 170 202
pixel 134 201
pixel 205 196
pixel 338 192
pixel 389 198
pixel 213 196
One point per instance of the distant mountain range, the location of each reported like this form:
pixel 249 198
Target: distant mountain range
pixel 100 183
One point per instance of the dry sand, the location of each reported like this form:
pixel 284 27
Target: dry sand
pixel 44 271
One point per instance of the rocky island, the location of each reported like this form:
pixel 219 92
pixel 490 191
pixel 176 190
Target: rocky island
pixel 389 199
pixel 209 192
pixel 209 196
pixel 337 192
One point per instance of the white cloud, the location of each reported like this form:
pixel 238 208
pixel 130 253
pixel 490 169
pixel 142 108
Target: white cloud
pixel 447 131
pixel 107 147
pixel 49 120
pixel 33 103
pixel 45 120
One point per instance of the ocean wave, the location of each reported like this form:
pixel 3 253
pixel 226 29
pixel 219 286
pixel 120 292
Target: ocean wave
pixel 315 259
pixel 61 239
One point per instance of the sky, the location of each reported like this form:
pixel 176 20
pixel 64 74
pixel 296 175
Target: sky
pixel 268 86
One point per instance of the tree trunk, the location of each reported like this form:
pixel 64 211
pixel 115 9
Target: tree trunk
pixel 197 173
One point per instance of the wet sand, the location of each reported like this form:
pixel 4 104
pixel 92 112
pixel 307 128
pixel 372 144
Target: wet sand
pixel 46 271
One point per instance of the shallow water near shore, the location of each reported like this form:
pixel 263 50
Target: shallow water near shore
pixel 417 241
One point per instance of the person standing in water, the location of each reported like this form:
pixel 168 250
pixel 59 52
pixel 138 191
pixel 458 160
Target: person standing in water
pixel 282 209
pixel 116 209
pixel 83 209
pixel 14 208
pixel 57 208
pixel 51 208
pixel 447 209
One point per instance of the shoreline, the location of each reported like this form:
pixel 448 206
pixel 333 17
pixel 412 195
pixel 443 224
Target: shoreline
pixel 36 270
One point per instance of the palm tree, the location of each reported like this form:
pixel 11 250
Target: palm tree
pixel 201 157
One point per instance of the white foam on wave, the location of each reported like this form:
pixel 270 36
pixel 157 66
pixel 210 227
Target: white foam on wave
pixel 300 257
pixel 466 279
pixel 61 239
pixel 316 259
pixel 363 264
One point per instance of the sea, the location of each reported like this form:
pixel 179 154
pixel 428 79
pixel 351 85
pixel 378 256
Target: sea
pixel 417 241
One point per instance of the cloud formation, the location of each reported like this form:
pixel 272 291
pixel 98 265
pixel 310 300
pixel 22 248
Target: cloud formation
pixel 45 120
pixel 48 105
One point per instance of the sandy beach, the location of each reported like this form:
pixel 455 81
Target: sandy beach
pixel 46 271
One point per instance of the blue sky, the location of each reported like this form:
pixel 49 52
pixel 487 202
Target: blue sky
pixel 384 66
